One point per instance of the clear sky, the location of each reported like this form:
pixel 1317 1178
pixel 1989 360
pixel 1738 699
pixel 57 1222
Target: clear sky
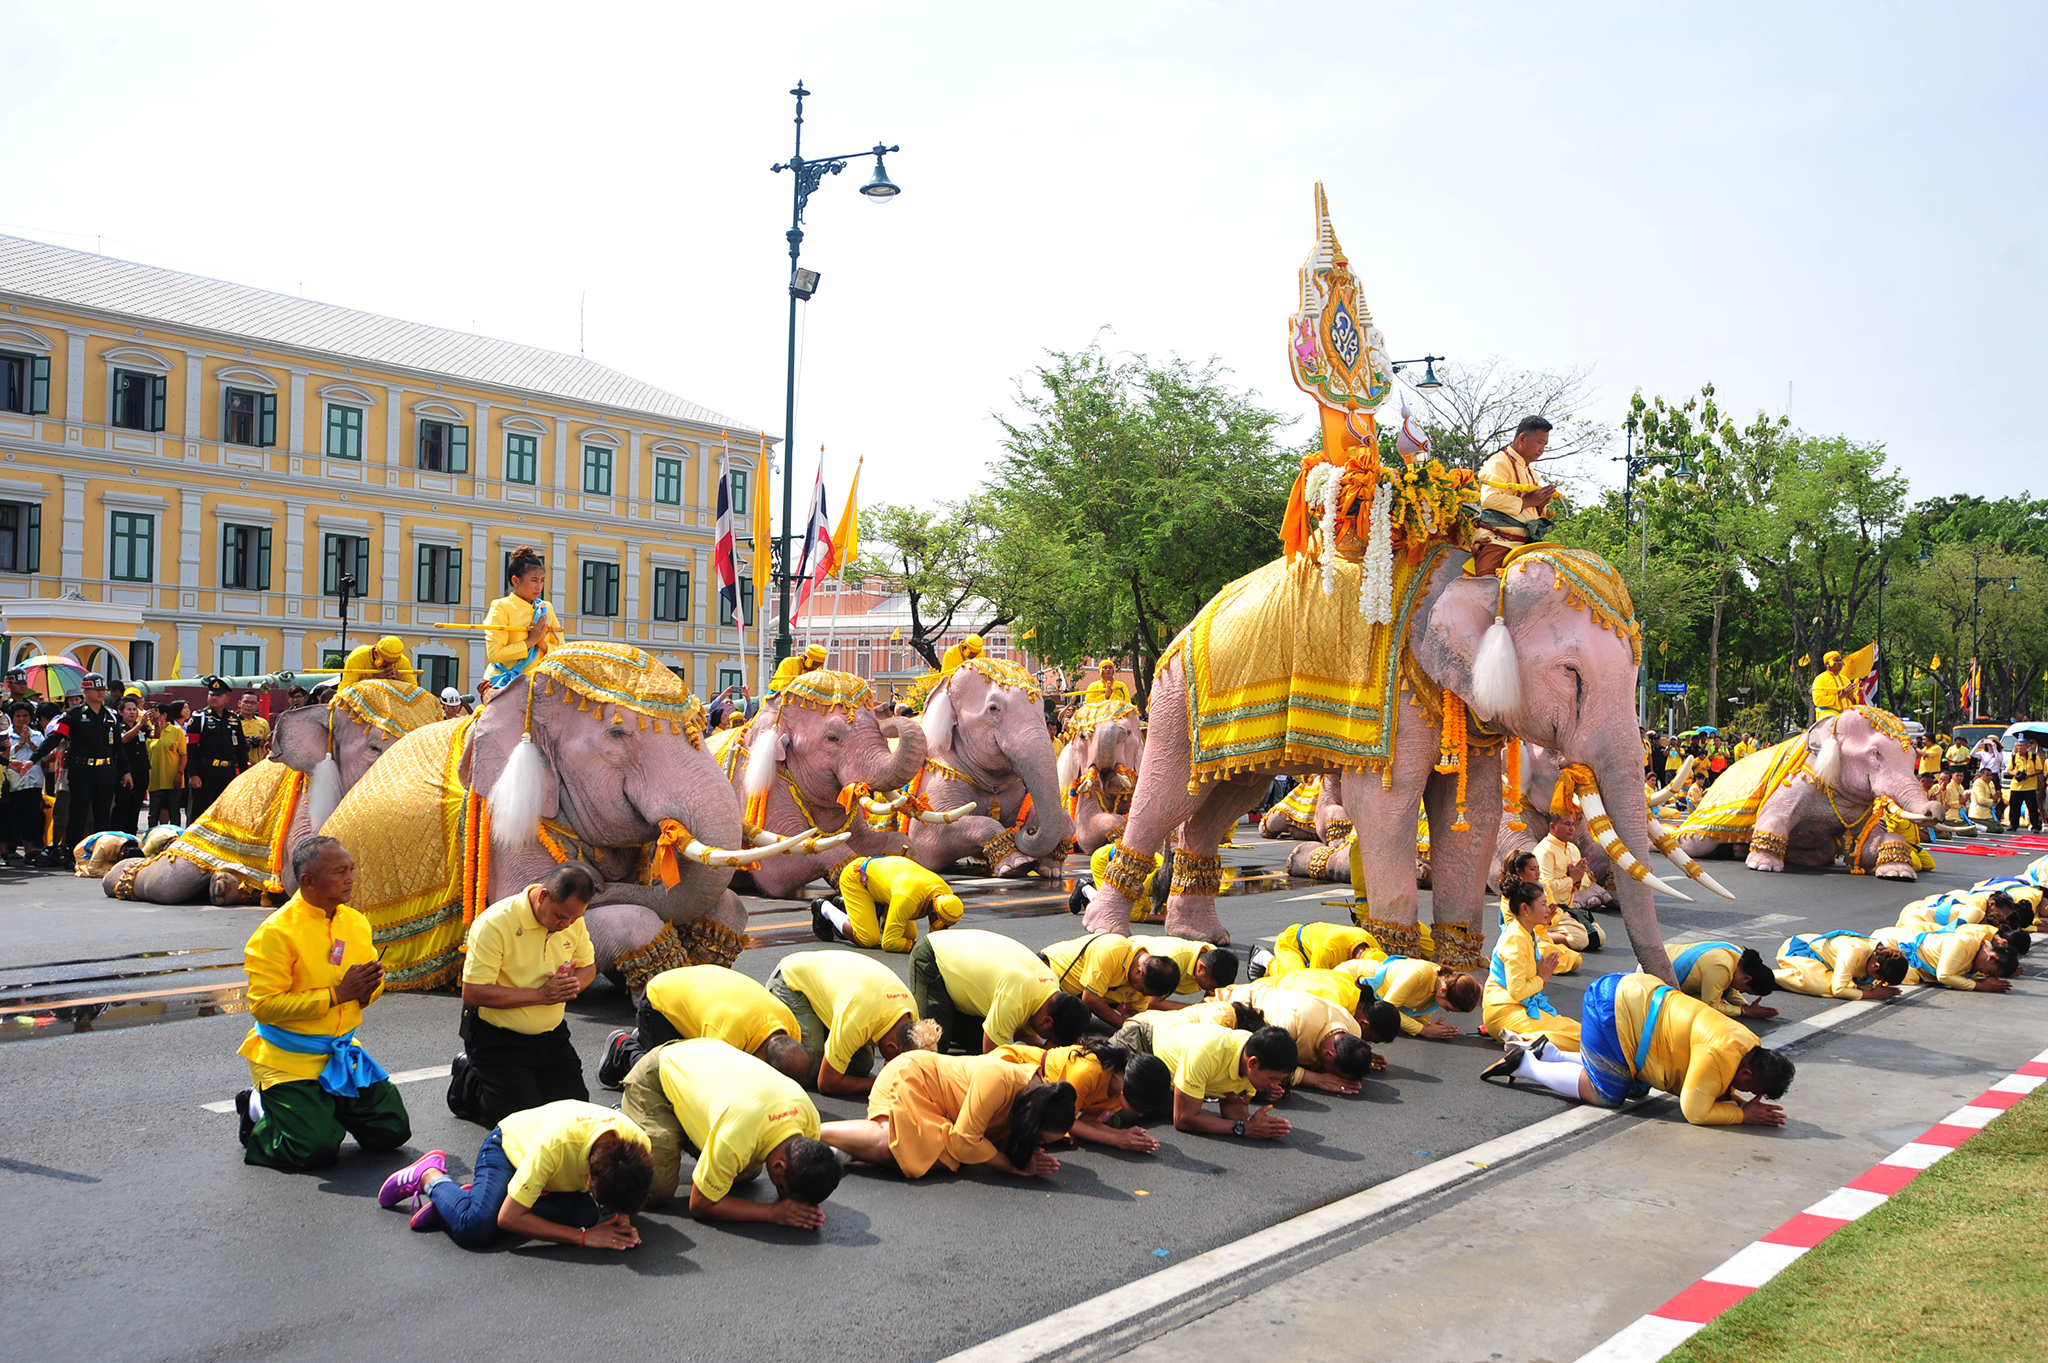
pixel 1846 199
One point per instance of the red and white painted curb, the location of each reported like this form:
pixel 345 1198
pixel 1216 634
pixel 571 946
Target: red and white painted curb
pixel 1670 1325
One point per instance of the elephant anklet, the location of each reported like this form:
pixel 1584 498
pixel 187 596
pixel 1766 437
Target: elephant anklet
pixel 1127 871
pixel 1770 844
pixel 1396 939
pixel 999 849
pixel 1198 876
pixel 1458 947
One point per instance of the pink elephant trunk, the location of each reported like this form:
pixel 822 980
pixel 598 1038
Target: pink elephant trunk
pixel 1048 827
pixel 1621 787
pixel 1907 793
pixel 896 769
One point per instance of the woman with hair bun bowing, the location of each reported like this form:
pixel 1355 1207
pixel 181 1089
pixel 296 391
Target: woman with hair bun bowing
pixel 927 1109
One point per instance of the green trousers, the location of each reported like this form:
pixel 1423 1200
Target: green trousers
pixel 303 1124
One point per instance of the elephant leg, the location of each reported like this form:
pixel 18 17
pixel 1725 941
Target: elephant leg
pixel 1197 869
pixel 1160 803
pixel 1320 861
pixel 1889 857
pixel 1274 825
pixel 1458 861
pixel 625 931
pixel 1383 807
pixel 1770 839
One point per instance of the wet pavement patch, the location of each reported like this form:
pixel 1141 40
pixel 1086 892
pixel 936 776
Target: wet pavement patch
pixel 107 993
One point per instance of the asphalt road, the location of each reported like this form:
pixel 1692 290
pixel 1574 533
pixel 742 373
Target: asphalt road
pixel 137 1233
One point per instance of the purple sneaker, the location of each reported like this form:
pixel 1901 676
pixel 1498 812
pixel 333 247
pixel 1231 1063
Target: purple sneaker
pixel 406 1182
pixel 428 1217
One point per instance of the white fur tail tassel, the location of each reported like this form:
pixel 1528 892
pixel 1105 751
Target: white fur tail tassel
pixel 938 718
pixel 1069 765
pixel 518 797
pixel 1496 674
pixel 1826 762
pixel 323 791
pixel 761 762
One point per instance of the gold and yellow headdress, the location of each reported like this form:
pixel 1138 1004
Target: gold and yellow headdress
pixel 391 707
pixel 827 690
pixel 625 678
pixel 1096 713
pixel 1589 582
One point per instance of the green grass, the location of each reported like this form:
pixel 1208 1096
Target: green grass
pixel 1953 1267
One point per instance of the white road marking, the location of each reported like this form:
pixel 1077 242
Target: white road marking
pixel 1847 1204
pixel 1125 1316
pixel 401 1077
pixel 1754 1264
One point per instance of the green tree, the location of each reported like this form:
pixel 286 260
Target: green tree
pixel 944 560
pixel 1151 485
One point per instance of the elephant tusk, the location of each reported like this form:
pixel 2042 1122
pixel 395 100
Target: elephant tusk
pixel 1677 783
pixel 800 844
pixel 763 839
pixel 879 808
pixel 1667 842
pixel 946 816
pixel 1602 829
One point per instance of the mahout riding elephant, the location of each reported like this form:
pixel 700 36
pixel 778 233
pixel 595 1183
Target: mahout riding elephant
pixel 1570 647
pixel 816 757
pixel 1099 768
pixel 596 754
pixel 240 848
pixel 987 744
pixel 1791 804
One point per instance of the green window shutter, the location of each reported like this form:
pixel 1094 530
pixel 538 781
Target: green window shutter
pixel 268 435
pixel 453 596
pixel 263 559
pixel 330 569
pixel 423 578
pixel 362 565
pixel 739 492
pixel 683 596
pixel 157 384
pixel 227 557
pixel 39 385
pixel 34 557
pixel 458 449
pixel 611 600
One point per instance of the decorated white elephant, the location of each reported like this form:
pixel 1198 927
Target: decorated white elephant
pixel 1099 769
pixel 987 745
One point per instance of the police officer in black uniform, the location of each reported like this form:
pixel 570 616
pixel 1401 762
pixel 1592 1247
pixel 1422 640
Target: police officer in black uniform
pixel 87 733
pixel 216 752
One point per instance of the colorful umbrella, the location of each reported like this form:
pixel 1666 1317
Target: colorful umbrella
pixel 53 674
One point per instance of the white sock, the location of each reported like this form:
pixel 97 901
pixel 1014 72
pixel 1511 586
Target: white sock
pixel 838 919
pixel 255 1105
pixel 1088 893
pixel 1262 957
pixel 1559 1076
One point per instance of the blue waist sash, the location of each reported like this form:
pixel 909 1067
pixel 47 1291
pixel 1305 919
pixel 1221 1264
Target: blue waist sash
pixel 350 1068
pixel 1690 957
pixel 1375 975
pixel 1613 1074
pixel 1536 1005
pixel 1802 945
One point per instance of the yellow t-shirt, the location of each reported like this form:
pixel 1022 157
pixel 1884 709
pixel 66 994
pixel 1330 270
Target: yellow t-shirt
pixel 257 730
pixel 291 965
pixel 1204 1059
pixel 1324 946
pixel 1694 1052
pixel 1101 963
pixel 1070 1064
pixel 1181 952
pixel 735 1109
pixel 857 998
pixel 549 1146
pixel 1339 987
pixel 717 1002
pixel 167 759
pixel 993 977
pixel 1303 1016
pixel 508 946
pixel 2025 770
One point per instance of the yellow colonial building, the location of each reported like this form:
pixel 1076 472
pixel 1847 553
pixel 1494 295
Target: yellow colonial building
pixel 189 469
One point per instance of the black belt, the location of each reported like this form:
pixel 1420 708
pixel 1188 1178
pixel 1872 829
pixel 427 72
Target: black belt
pixel 220 762
pixel 95 761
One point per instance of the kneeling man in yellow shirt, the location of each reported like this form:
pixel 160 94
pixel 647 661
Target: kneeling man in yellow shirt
pixel 312 970
pixel 739 1118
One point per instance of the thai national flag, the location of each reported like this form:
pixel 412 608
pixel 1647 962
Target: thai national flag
pixel 722 555
pixel 817 538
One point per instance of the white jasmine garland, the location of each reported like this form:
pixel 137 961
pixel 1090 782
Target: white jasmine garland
pixel 1376 583
pixel 1324 481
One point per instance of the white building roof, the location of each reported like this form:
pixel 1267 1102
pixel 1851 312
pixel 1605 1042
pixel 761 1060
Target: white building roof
pixel 148 293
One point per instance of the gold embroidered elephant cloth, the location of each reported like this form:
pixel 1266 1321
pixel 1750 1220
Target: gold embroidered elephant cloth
pixel 1278 672
pixel 243 831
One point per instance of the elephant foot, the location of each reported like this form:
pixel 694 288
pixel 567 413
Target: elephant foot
pixel 1109 911
pixel 1014 866
pixel 1764 861
pixel 1896 871
pixel 1194 917
pixel 226 891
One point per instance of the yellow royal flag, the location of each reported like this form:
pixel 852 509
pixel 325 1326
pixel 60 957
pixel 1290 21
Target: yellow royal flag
pixel 1031 633
pixel 762 504
pixel 896 635
pixel 1935 666
pixel 1859 664
pixel 1806 660
pixel 1663 648
pixel 178 665
pixel 846 536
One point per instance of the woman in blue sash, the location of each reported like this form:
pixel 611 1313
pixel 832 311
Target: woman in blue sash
pixel 1718 974
pixel 1515 1006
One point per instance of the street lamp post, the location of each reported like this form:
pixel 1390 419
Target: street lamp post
pixel 802 284
pixel 1633 464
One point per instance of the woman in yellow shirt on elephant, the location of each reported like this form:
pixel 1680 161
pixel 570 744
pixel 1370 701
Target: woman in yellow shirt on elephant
pixel 520 628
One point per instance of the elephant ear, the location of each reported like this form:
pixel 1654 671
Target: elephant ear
pixel 298 738
pixel 938 716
